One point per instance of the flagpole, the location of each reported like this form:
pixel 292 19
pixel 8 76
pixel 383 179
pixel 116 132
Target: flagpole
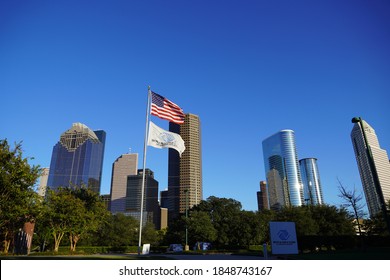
pixel 143 172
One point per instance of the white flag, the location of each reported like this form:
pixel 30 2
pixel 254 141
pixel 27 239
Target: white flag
pixel 160 138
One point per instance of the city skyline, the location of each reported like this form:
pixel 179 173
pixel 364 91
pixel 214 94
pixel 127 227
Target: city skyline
pixel 246 69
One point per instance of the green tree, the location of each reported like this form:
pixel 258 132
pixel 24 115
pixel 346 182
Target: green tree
pixel 200 227
pixel 246 229
pixel 304 223
pixel 331 221
pixel 149 234
pixel 224 214
pixel 176 231
pixel 377 225
pixel 263 218
pixel 118 230
pixel 92 215
pixel 18 200
pixel 62 211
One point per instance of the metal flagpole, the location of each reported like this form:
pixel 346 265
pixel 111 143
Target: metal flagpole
pixel 143 172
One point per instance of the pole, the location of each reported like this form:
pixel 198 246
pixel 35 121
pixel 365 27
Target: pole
pixel 186 248
pixel 143 172
pixel 374 173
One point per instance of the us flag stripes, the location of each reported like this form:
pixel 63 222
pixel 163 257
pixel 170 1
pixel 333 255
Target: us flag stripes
pixel 166 109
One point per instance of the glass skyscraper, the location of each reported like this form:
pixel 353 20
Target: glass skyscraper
pixel 284 181
pixel 77 159
pixel 365 143
pixel 312 188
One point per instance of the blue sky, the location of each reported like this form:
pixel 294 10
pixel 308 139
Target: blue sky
pixel 247 68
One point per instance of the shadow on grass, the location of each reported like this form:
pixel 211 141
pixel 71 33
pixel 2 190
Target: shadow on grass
pixel 82 257
pixel 374 253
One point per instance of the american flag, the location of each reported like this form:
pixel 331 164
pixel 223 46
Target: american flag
pixel 166 109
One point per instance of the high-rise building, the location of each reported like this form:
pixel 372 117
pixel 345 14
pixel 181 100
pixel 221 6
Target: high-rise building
pixel 312 188
pixel 282 170
pixel 125 165
pixel 262 196
pixel 43 182
pixel 185 173
pixel 373 164
pixel 151 209
pixel 77 159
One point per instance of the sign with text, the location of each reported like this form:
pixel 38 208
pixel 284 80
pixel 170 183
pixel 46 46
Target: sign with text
pixel 283 238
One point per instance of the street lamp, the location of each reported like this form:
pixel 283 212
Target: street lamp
pixel 186 247
pixel 374 172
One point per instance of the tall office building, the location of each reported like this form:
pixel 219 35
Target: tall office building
pixel 365 143
pixel 151 208
pixel 43 182
pixel 282 170
pixel 185 173
pixel 312 188
pixel 262 196
pixel 77 158
pixel 124 166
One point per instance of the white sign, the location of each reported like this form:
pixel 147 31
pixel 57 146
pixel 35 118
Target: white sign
pixel 146 249
pixel 283 238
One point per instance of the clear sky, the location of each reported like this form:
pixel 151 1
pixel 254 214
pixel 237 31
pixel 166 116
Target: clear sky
pixel 247 68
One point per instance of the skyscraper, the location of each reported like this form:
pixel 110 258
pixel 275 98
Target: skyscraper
pixel 262 197
pixel 77 158
pixel 373 164
pixel 185 173
pixel 125 165
pixel 282 170
pixel 312 188
pixel 43 182
pixel 151 211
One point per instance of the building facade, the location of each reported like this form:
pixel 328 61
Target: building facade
pixel 262 197
pixel 365 142
pixel 151 208
pixel 185 187
pixel 77 158
pixel 312 187
pixel 43 182
pixel 124 166
pixel 282 170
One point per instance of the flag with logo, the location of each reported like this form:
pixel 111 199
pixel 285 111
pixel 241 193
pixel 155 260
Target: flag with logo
pixel 166 109
pixel 160 138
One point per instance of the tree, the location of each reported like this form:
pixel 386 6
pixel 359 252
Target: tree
pixel 377 225
pixel 62 211
pixel 18 200
pixel 224 214
pixel 118 230
pixel 304 223
pixel 200 227
pixel 92 214
pixel 246 229
pixel 352 201
pixel 331 221
pixel 149 234
pixel 263 218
